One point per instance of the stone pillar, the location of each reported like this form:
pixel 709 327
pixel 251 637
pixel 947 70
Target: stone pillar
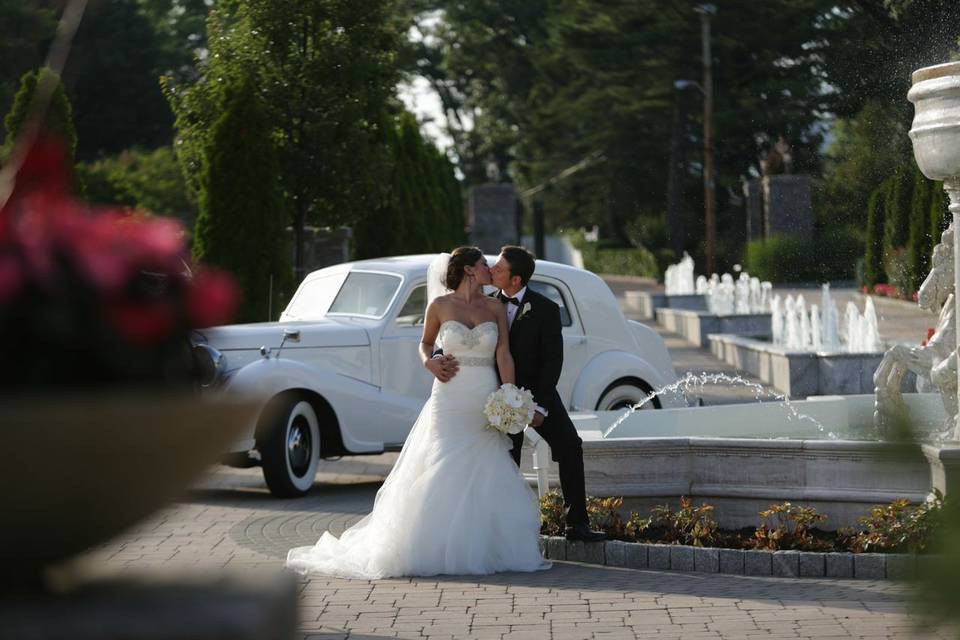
pixel 787 206
pixel 492 216
pixel 324 247
pixel 753 200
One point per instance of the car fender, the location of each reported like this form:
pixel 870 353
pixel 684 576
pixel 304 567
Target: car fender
pixel 609 366
pixel 350 399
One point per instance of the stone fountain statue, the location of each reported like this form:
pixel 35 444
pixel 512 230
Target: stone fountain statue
pixel 936 147
pixel 934 363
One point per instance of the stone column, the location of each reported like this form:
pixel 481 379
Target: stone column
pixel 753 200
pixel 787 206
pixel 492 216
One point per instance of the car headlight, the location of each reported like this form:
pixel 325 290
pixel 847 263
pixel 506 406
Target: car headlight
pixel 210 365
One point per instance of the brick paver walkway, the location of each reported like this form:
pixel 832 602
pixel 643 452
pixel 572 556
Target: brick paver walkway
pixel 231 522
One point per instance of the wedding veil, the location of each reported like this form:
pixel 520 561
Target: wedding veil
pixel 436 275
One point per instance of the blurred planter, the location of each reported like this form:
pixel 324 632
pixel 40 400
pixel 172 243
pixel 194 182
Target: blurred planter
pixel 79 470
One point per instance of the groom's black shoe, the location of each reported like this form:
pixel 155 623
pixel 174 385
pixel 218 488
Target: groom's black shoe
pixel 583 532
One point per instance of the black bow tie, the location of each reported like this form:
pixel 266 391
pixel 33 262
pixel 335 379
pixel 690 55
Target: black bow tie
pixel 505 299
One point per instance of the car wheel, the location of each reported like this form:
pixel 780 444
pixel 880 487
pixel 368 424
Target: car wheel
pixel 625 394
pixel 290 447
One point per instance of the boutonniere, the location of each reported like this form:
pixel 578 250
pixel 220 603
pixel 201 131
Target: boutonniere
pixel 524 311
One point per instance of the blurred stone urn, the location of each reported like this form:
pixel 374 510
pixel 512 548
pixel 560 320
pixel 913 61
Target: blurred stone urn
pixel 79 470
pixel 936 126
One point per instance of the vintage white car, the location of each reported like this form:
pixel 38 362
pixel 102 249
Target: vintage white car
pixel 340 372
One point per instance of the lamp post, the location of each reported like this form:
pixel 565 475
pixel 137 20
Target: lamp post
pixel 706 11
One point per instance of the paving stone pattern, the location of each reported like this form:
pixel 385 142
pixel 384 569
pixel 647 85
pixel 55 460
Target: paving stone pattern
pixel 231 523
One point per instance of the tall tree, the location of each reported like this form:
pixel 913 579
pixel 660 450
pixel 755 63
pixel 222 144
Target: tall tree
pixel 112 78
pixel 325 71
pixel 58 117
pixel 25 32
pixel 423 210
pixel 545 84
pixel 238 228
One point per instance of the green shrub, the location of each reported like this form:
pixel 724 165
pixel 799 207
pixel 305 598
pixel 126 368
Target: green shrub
pixel 899 527
pixel 939 212
pixel 873 272
pixel 57 120
pixel 898 200
pixel 636 261
pixel 604 514
pixel 689 524
pixel 832 256
pixel 146 180
pixel 551 514
pixel 788 526
pixel 920 246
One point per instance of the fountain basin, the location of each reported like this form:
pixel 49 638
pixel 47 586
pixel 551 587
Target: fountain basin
pixel 646 303
pixel 696 326
pixel 799 374
pixel 742 458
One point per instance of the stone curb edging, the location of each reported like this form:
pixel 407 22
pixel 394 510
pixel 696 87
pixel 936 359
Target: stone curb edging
pixel 783 564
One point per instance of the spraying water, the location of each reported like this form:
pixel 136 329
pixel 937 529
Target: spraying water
pixel 819 329
pixel 679 277
pixel 726 296
pixel 693 384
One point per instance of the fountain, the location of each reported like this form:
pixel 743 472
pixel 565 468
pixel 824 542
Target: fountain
pixel 738 307
pixel 679 292
pixel 819 329
pixel 741 458
pixel 811 351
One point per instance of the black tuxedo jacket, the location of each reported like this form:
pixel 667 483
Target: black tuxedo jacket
pixel 536 344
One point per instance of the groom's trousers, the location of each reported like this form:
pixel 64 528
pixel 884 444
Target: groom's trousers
pixel 566 448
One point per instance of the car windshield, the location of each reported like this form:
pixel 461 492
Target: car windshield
pixel 365 294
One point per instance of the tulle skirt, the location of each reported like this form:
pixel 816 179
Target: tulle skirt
pixel 454 503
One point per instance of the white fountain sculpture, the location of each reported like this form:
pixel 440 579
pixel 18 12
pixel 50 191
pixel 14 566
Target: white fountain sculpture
pixel 819 329
pixel 935 135
pixel 934 363
pixel 679 277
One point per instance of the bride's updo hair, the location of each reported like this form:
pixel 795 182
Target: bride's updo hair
pixel 460 258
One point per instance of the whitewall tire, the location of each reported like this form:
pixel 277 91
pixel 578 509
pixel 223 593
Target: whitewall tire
pixel 290 447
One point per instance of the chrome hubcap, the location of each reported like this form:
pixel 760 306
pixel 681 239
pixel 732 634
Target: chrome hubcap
pixel 299 446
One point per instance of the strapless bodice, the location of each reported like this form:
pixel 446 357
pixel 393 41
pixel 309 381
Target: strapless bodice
pixel 471 346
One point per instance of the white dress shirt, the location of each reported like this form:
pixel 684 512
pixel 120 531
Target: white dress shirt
pixel 512 309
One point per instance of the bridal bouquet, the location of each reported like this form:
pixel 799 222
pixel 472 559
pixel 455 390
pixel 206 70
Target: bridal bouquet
pixel 509 409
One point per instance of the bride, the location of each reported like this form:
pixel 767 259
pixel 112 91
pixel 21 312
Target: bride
pixel 455 502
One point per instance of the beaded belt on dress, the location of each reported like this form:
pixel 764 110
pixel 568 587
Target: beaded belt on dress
pixel 468 361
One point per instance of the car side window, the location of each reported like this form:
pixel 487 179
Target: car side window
pixel 554 294
pixel 414 309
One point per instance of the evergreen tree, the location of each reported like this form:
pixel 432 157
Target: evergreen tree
pixel 58 119
pixel 423 210
pixel 242 221
pixel 920 245
pixel 898 200
pixel 873 259
pixel 326 70
pixel 939 212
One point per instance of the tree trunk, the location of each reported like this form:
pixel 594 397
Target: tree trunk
pixel 299 241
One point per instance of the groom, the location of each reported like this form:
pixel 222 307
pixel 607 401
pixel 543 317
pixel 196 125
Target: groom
pixel 536 344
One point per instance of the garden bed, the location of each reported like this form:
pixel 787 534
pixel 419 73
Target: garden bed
pixel 747 562
pixel 892 542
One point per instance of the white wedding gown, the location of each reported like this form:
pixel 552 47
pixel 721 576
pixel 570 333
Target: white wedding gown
pixel 455 502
